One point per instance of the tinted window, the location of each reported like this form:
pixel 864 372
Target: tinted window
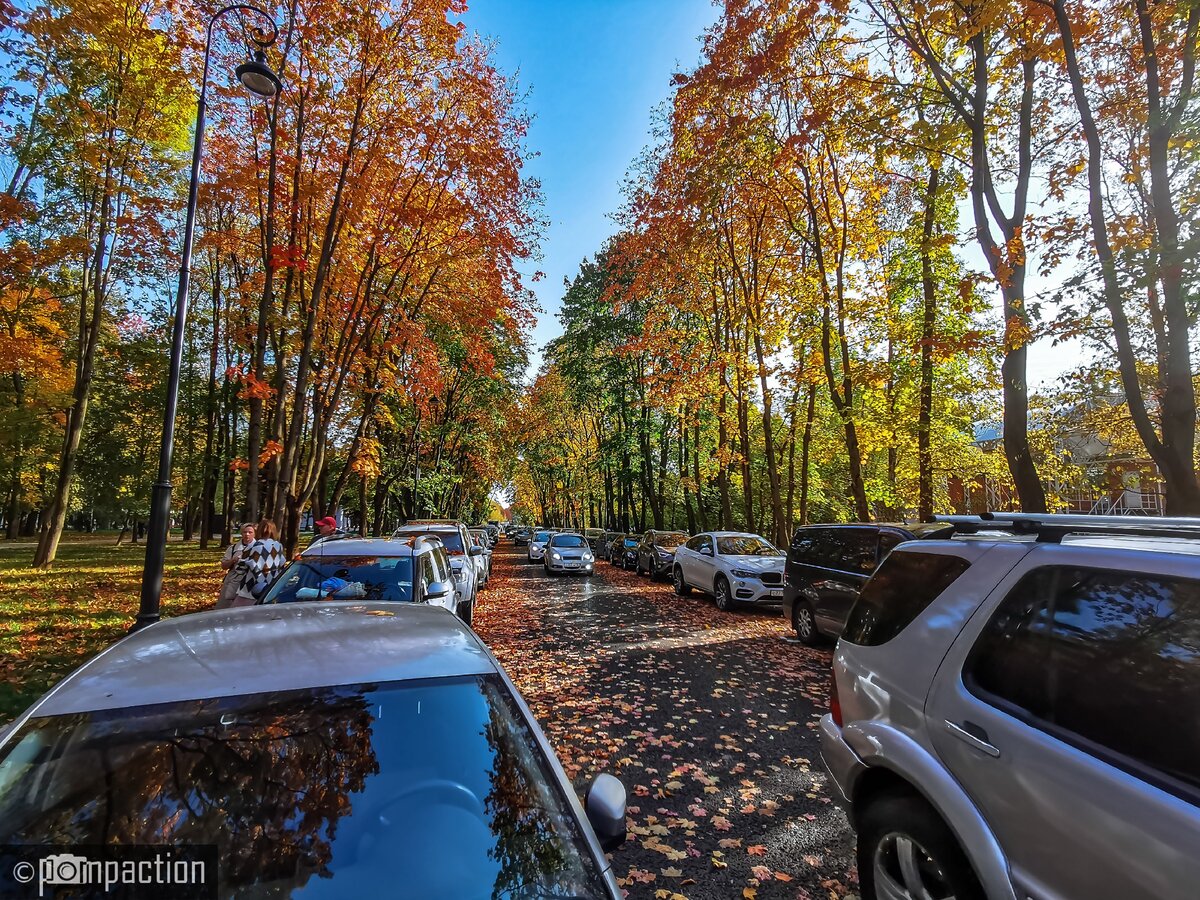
pixel 856 550
pixel 905 584
pixel 344 578
pixel 817 547
pixel 352 791
pixel 1109 657
pixel 567 540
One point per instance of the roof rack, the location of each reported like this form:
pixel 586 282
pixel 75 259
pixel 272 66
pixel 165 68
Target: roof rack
pixel 1053 527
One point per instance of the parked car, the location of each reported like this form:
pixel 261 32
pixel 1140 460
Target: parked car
pixel 594 536
pixel 827 566
pixel 537 544
pixel 461 549
pixel 352 749
pixel 624 551
pixel 733 566
pixel 568 552
pixel 606 544
pixel 483 562
pixel 521 537
pixel 656 553
pixel 1014 715
pixel 413 569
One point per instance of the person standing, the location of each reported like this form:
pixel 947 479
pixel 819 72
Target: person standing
pixel 327 528
pixel 260 564
pixel 233 554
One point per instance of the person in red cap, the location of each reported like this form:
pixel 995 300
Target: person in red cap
pixel 326 528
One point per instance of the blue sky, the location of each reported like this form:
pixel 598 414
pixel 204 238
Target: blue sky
pixel 594 70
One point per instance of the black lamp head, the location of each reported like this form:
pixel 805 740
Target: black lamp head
pixel 256 76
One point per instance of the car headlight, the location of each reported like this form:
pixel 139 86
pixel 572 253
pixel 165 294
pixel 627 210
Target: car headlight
pixel 587 557
pixel 556 555
pixel 743 573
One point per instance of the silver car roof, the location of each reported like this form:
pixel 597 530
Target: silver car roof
pixel 398 546
pixel 281 647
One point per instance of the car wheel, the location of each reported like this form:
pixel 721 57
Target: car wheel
pixel 466 611
pixel 722 595
pixel 805 623
pixel 681 586
pixel 906 852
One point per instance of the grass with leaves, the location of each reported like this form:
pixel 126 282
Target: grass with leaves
pixel 52 621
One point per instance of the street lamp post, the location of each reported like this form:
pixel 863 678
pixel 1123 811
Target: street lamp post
pixel 256 77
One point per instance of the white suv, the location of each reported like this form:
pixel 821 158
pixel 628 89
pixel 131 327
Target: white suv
pixel 1016 712
pixel 461 549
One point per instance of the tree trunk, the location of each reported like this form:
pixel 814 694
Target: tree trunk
pixel 928 326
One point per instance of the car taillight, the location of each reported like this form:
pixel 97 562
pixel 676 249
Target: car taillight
pixel 835 705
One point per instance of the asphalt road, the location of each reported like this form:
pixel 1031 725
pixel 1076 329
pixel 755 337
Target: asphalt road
pixel 709 719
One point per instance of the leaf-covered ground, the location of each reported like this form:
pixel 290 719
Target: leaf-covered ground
pixel 709 719
pixel 51 622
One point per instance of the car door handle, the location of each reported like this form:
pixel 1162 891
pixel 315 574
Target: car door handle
pixel 972 734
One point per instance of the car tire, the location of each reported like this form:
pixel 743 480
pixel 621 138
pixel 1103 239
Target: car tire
pixel 681 586
pixel 469 615
pixel 722 594
pixel 804 621
pixel 896 826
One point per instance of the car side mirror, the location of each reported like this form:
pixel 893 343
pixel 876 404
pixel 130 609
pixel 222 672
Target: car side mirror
pixel 605 805
pixel 438 589
pixel 706 551
pixel 475 550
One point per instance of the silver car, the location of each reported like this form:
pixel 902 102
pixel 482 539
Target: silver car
pixel 537 544
pixel 733 566
pixel 1016 712
pixel 334 749
pixel 568 552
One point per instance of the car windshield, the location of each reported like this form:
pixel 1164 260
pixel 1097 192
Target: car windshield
pixel 568 540
pixel 452 539
pixel 669 540
pixel 344 578
pixel 433 788
pixel 541 537
pixel 745 545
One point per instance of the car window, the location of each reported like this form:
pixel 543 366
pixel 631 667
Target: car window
pixel 345 791
pixel 541 537
pixel 1106 659
pixel 428 573
pixel 344 578
pixel 671 539
pixel 567 540
pixel 696 542
pixel 900 591
pixel 888 540
pixel 856 550
pixel 745 545
pixel 441 564
pixel 703 542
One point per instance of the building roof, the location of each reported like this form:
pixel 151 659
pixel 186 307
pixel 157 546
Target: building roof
pixel 284 647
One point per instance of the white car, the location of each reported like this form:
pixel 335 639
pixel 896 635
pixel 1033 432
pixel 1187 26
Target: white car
pixel 537 544
pixel 733 566
pixel 459 546
pixel 483 562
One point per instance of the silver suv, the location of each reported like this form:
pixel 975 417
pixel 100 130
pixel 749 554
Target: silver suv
pixel 1016 712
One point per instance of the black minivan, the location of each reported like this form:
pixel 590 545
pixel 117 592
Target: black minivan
pixel 827 565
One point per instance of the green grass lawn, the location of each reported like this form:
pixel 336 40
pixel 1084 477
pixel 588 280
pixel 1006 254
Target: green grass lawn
pixel 52 621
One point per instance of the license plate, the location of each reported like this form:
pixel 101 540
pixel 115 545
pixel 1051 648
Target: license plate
pixel 572 565
pixel 776 593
